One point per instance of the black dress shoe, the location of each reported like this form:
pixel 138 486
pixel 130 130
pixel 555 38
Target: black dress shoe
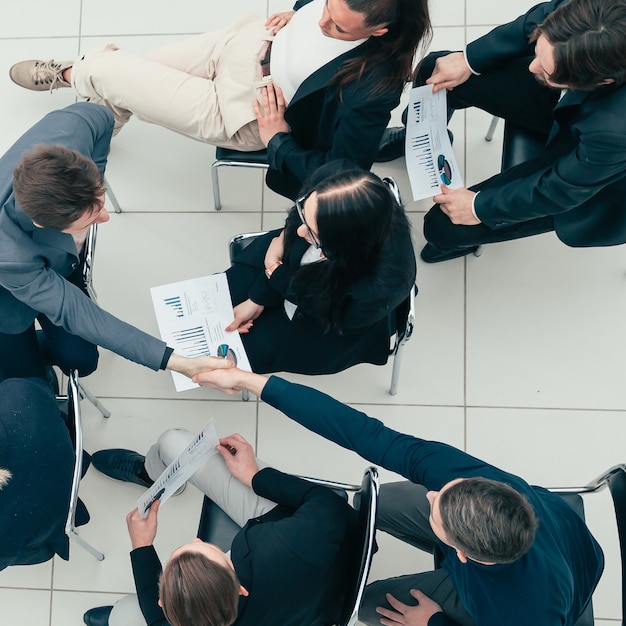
pixel 98 616
pixel 124 465
pixel 391 145
pixel 430 254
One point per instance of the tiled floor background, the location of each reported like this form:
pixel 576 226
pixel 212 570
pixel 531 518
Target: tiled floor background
pixel 518 356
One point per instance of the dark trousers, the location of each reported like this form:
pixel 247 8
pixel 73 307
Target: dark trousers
pixel 24 355
pixel 510 92
pixel 403 512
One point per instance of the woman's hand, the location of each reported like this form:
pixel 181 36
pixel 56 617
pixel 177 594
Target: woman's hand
pixel 142 531
pixel 276 250
pixel 245 313
pixel 278 20
pixel 239 458
pixel 271 114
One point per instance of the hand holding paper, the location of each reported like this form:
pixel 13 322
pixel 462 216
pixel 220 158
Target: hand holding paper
pixel 245 313
pixel 142 531
pixel 457 205
pixel 239 458
pixel 450 71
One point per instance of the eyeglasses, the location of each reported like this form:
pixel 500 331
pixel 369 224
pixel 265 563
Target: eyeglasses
pixel 300 208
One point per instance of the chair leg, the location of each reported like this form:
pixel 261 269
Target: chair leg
pixel 217 202
pixel 87 394
pixel 492 128
pixel 112 198
pixel 73 535
pixel 395 372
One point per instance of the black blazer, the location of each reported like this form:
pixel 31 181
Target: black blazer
pixel 302 345
pixel 326 126
pixel 35 447
pixel 291 560
pixel 581 177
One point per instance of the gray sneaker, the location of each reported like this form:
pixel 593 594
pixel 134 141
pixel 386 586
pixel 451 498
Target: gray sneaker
pixel 40 75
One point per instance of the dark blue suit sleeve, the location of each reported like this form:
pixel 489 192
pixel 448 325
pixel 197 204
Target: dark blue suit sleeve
pixel 429 463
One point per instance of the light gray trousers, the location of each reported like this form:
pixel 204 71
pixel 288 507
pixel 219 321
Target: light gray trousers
pixel 215 481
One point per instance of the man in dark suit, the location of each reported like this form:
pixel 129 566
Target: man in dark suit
pixel 513 553
pixel 557 70
pixel 286 566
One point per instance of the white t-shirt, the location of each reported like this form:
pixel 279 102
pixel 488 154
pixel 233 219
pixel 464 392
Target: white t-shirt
pixel 300 49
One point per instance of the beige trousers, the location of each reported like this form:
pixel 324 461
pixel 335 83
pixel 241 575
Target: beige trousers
pixel 202 87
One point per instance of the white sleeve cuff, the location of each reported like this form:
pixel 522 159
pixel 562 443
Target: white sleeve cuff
pixel 471 69
pixel 473 209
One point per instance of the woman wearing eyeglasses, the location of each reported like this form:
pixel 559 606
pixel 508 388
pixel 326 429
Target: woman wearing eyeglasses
pixel 319 295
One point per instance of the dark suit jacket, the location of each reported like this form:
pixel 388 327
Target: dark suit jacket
pixel 581 177
pixel 326 126
pixel 301 345
pixel 34 262
pixel 549 585
pixel 35 447
pixel 292 560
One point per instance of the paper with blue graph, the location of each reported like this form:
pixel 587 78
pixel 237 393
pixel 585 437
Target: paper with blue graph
pixel 181 469
pixel 430 160
pixel 192 315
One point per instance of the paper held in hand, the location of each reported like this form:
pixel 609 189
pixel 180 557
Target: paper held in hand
pixel 430 160
pixel 192 315
pixel 181 469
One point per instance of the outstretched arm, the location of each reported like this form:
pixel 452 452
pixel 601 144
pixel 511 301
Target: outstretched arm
pixel 429 463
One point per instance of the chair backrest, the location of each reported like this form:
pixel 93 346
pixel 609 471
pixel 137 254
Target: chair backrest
pixel 88 255
pixel 520 145
pixel 216 526
pixel 393 187
pixel 73 407
pixel 365 533
pixel 615 480
pixel 238 243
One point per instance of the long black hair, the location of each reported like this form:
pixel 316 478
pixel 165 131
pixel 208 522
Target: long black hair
pixel 356 213
pixel 409 30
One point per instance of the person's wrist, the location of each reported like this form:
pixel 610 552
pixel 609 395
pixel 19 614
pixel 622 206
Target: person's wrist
pixel 272 268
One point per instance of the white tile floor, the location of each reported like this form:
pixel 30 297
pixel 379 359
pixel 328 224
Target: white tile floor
pixel 518 355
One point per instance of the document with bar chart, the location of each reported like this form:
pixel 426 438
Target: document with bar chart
pixel 192 315
pixel 430 160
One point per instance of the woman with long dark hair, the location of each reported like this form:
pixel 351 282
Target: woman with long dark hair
pixel 339 67
pixel 319 295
